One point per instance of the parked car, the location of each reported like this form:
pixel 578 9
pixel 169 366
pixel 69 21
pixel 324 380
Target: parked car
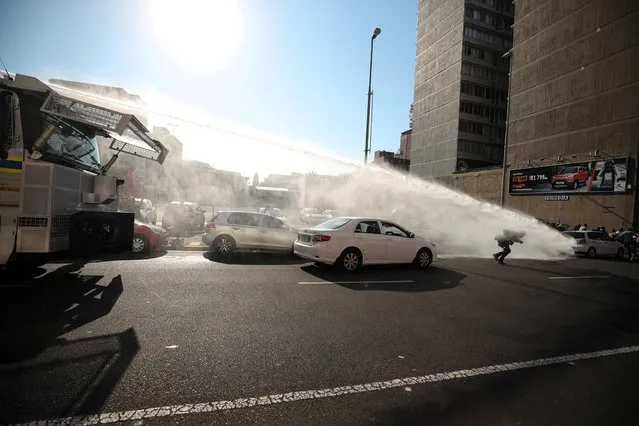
pixel 571 177
pixel 595 243
pixel 145 210
pixel 180 217
pixel 311 216
pixel 148 238
pixel 350 242
pixel 231 231
pixel 273 211
pixel 330 214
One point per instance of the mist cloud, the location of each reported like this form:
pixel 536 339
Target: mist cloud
pixel 459 224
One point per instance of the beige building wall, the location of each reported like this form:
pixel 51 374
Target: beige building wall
pixel 484 185
pixel 575 89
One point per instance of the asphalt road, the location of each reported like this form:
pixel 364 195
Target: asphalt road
pixel 182 339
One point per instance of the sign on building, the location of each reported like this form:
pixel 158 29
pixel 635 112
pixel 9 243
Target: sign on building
pixel 557 197
pixel 601 176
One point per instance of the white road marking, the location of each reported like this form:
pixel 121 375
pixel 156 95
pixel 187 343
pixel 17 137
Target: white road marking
pixel 582 277
pixel 406 382
pixel 356 282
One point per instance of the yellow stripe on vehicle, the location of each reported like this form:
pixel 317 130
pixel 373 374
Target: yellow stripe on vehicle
pixel 12 164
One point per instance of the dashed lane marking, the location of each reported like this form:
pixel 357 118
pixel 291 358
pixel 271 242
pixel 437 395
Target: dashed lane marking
pixel 582 277
pixel 356 282
pixel 406 382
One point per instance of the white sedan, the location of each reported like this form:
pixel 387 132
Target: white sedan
pixel 351 242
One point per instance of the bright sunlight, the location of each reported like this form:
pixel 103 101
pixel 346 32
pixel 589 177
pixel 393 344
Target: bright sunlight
pixel 200 34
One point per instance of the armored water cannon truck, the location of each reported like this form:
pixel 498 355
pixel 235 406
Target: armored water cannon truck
pixel 55 195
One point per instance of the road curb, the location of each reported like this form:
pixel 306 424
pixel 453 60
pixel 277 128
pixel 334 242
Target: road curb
pixel 199 247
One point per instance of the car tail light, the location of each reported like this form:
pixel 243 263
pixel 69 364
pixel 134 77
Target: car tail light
pixel 210 226
pixel 321 238
pixel 581 242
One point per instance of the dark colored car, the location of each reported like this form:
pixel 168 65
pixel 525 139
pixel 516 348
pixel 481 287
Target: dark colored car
pixel 186 217
pixel 145 211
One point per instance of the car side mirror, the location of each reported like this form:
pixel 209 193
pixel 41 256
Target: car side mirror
pixel 411 235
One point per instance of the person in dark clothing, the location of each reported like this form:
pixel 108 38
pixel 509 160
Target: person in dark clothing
pixel 629 240
pixel 505 240
pixel 608 170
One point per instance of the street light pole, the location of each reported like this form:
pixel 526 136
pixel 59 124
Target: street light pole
pixel 370 93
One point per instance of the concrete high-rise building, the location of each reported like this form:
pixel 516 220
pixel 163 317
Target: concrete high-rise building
pixel 393 161
pixel 405 144
pixel 573 128
pixel 173 144
pixel 575 105
pixel 461 83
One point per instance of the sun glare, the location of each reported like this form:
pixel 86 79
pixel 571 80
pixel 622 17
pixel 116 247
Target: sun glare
pixel 198 34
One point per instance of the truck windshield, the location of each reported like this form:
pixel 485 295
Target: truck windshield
pixel 71 144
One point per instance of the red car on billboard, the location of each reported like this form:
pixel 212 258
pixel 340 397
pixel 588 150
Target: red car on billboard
pixel 570 177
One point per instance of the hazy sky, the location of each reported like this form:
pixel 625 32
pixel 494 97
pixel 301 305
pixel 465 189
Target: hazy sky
pixel 294 68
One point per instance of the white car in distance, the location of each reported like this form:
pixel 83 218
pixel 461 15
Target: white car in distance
pixel 595 244
pixel 350 242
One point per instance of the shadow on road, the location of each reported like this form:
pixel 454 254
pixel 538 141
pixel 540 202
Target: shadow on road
pixel 49 374
pixel 37 308
pixel 610 290
pixel 389 278
pixel 256 258
pixel 70 378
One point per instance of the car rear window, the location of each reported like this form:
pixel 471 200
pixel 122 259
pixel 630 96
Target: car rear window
pixel 575 235
pixel 246 219
pixel 336 223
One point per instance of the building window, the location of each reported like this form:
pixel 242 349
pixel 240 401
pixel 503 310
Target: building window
pixel 471 127
pixel 480 16
pixel 474 52
pixel 496 96
pixel 501 42
pixel 495 115
pixel 478 72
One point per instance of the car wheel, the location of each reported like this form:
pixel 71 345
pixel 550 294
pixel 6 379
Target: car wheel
pixel 621 253
pixel 423 259
pixel 140 244
pixel 350 260
pixel 592 253
pixel 224 245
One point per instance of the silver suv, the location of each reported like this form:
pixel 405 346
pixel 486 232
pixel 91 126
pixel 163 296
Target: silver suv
pixel 232 231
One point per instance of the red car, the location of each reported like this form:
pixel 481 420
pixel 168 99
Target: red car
pixel 571 177
pixel 148 238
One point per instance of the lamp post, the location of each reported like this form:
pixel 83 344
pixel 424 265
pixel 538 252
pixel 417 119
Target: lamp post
pixel 376 32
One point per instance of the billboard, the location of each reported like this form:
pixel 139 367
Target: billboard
pixel 607 176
